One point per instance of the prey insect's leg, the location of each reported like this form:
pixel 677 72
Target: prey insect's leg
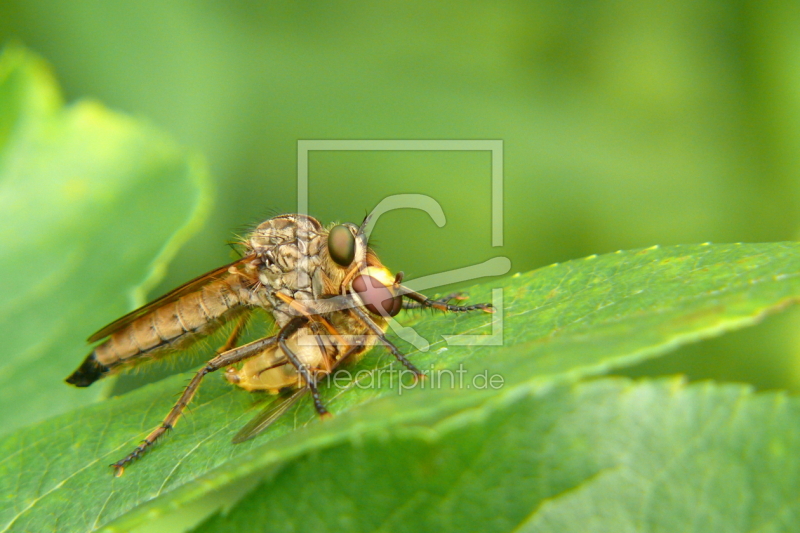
pixel 427 302
pixel 220 361
pixel 233 339
pixel 382 336
pixel 443 300
pixel 287 331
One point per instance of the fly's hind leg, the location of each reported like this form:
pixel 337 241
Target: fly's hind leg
pixel 222 360
pixel 386 342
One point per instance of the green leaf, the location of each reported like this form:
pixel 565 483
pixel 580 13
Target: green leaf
pixel 559 323
pixel 607 455
pixel 89 205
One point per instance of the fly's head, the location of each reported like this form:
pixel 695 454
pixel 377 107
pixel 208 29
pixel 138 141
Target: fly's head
pixel 346 252
pixel 360 274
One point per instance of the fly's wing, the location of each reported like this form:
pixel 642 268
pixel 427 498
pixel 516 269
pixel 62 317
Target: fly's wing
pixel 173 295
pixel 270 414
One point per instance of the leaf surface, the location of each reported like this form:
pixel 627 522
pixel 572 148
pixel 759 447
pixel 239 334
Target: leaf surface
pixel 606 455
pixel 559 324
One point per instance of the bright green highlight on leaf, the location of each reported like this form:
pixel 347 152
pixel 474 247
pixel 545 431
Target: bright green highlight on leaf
pixel 89 205
pixel 557 441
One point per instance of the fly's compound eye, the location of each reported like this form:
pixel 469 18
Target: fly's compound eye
pixel 377 298
pixel 341 245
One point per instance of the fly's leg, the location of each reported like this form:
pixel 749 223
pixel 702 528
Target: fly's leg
pixel 424 301
pixel 287 331
pixel 233 338
pixel 222 360
pixel 312 315
pixel 285 361
pixel 443 300
pixel 386 342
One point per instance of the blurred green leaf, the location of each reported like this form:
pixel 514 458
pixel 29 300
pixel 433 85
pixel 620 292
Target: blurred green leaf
pixel 559 323
pixel 89 205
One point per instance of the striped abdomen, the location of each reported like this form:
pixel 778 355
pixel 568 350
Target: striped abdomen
pixel 165 329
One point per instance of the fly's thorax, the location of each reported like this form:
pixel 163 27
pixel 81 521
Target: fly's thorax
pixel 282 229
pixel 271 370
pixel 287 249
pixel 287 243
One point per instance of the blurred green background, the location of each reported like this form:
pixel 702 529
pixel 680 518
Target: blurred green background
pixel 624 124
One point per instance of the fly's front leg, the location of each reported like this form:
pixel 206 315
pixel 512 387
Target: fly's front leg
pixel 287 331
pixel 312 315
pixel 386 342
pixel 424 301
pixel 222 360
pixel 443 300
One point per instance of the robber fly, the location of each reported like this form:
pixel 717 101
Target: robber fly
pixel 326 290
